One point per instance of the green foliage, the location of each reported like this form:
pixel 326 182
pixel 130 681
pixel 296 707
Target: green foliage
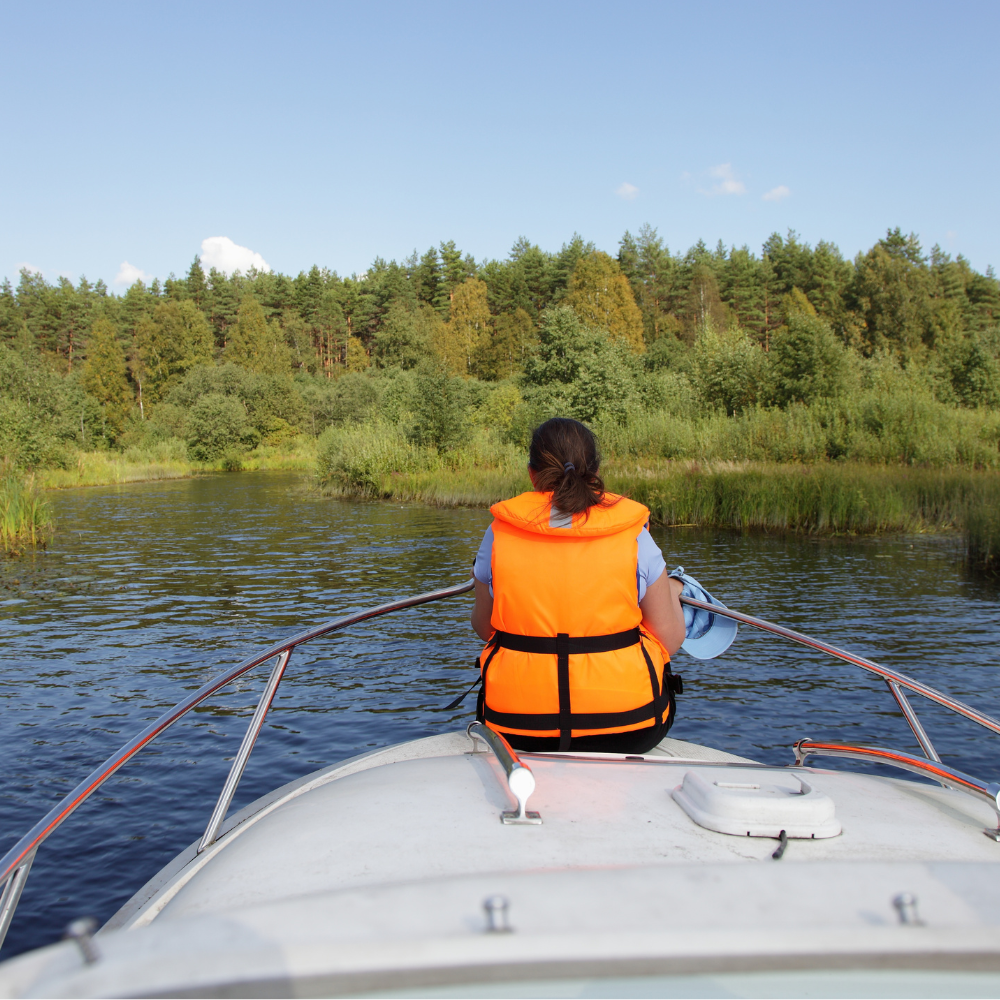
pixel 807 361
pixel 359 460
pixel 982 529
pixel 217 425
pixel 167 345
pixel 438 408
pixel 406 334
pixel 348 400
pixel 793 354
pixel 565 345
pixel 104 377
pixel 25 518
pixel 824 498
pixel 257 345
pixel 504 351
pixel 730 371
pixel 271 403
pixel 602 298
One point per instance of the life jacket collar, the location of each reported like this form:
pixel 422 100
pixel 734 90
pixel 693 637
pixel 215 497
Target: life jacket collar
pixel 532 512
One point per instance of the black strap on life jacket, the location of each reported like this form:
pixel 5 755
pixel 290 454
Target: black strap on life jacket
pixel 452 705
pixel 563 646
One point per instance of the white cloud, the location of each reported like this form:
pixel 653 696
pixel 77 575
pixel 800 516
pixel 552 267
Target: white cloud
pixel 128 274
pixel 776 194
pixel 223 254
pixel 627 191
pixel 25 266
pixel 726 180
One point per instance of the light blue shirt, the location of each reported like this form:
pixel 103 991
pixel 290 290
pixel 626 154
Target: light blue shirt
pixel 648 570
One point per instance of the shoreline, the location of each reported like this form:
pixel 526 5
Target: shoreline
pixel 820 498
pixel 831 498
pixel 104 469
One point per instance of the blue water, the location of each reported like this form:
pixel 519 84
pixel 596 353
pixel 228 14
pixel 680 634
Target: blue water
pixel 149 590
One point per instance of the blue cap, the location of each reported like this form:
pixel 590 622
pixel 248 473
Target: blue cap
pixel 707 635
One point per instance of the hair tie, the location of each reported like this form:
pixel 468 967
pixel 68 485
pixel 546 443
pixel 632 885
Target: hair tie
pixel 569 466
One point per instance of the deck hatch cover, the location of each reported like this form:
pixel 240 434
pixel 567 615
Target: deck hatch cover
pixel 748 805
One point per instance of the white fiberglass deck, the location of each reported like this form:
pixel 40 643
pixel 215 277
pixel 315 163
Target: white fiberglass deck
pixel 400 816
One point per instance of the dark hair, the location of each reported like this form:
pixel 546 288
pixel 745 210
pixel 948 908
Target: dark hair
pixel 564 459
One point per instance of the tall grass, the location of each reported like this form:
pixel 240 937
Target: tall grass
pixel 378 460
pixel 909 429
pixel 843 497
pixel 169 460
pixel 982 532
pixel 165 460
pixel 840 498
pixel 25 518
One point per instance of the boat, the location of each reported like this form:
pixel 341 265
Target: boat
pixel 455 866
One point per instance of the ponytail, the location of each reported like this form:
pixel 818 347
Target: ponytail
pixel 564 459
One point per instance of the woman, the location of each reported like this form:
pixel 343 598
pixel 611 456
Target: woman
pixel 578 615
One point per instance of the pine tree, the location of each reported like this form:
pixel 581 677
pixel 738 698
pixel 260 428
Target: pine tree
pixel 104 376
pixel 196 283
pixel 454 270
pixel 427 278
pixel 653 274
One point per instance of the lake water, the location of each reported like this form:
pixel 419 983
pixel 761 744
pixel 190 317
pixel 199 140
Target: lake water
pixel 150 589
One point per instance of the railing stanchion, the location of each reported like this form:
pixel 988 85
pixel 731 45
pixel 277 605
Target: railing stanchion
pixel 12 894
pixel 911 717
pixel 246 748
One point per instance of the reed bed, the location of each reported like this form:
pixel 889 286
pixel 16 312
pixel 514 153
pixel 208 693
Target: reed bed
pixel 982 533
pixel 833 498
pixel 25 518
pixel 821 497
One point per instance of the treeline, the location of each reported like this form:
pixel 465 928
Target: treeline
pixel 439 344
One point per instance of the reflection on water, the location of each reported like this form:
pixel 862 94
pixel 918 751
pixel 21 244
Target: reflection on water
pixel 150 588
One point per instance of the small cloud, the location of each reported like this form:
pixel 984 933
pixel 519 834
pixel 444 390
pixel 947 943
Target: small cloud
pixel 951 236
pixel 224 255
pixel 128 274
pixel 25 266
pixel 776 194
pixel 726 180
pixel 627 191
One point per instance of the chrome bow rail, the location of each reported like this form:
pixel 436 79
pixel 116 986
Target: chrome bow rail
pixel 16 863
pixel 948 776
pixel 894 681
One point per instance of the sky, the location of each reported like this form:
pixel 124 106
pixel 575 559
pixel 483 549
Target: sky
pixel 138 136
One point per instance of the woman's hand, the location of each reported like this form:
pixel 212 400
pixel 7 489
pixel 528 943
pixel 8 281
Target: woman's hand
pixel 662 615
pixel 482 611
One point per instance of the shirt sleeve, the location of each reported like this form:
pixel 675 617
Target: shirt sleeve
pixel 482 568
pixel 650 565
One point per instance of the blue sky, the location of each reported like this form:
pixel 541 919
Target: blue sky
pixel 331 133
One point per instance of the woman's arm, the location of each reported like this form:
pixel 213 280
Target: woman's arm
pixel 662 614
pixel 482 611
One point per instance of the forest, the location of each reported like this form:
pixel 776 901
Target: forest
pixel 793 354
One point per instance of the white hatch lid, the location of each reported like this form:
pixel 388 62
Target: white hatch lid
pixel 756 804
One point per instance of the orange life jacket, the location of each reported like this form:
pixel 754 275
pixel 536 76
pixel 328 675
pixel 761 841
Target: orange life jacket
pixel 568 658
